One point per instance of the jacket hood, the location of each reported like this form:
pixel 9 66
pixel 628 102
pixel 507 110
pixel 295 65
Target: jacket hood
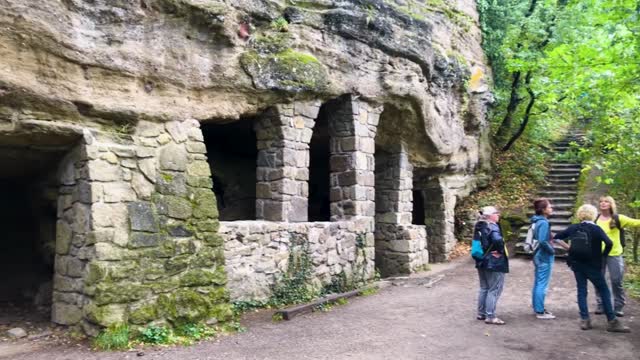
pixel 536 218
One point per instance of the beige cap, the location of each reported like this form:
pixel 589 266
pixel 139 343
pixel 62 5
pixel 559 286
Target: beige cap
pixel 489 210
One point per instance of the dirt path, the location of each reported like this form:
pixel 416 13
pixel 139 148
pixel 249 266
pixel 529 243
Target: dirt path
pixel 412 321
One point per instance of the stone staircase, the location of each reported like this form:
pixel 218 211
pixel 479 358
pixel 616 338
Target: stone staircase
pixel 561 189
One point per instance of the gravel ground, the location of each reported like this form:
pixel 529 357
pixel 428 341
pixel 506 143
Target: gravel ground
pixel 411 319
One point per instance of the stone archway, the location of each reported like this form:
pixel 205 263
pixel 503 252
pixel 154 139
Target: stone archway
pixel 36 195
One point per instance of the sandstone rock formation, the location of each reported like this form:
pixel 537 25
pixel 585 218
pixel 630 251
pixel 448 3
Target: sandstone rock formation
pixel 112 100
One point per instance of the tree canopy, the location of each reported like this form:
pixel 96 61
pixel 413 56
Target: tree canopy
pixel 562 62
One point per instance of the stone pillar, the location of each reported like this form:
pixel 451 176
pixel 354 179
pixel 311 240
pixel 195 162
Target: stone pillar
pixel 400 246
pixel 352 127
pixel 394 186
pixel 440 203
pixel 282 187
pixel 72 250
pixel 137 234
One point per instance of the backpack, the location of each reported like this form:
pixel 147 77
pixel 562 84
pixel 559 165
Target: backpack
pixel 530 243
pixel 580 245
pixel 616 220
pixel 479 243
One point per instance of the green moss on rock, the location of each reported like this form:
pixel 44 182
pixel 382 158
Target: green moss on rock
pixel 108 292
pixel 184 306
pixel 177 263
pixel 204 204
pixel 143 314
pixel 206 257
pixel 106 315
pixel 286 70
pixel 96 271
pixel 203 277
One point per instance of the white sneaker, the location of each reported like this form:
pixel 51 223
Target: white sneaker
pixel 545 316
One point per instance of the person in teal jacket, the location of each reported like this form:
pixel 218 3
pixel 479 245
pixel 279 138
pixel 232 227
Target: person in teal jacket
pixel 543 257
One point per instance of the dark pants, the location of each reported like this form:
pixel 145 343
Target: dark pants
pixel 593 274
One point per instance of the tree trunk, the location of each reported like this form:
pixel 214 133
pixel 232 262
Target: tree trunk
pixel 514 100
pixel 527 114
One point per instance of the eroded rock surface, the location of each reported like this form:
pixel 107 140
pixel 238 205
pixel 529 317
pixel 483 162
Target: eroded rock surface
pixel 114 62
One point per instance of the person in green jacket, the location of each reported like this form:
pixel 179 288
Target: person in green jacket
pixel 613 225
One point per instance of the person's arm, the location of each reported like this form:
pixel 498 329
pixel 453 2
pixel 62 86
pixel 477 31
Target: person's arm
pixel 496 239
pixel 564 233
pixel 543 237
pixel 608 244
pixel 626 221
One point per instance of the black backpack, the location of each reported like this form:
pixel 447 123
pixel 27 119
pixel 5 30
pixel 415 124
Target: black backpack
pixel 616 220
pixel 580 245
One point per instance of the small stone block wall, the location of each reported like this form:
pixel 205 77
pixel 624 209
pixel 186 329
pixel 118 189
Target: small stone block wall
pixel 257 252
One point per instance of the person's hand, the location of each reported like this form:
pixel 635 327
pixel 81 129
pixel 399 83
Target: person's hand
pixel 495 254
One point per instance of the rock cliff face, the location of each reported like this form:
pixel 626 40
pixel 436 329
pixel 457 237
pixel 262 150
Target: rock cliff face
pixel 115 95
pixel 118 61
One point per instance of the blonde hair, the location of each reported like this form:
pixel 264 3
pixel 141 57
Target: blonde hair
pixel 587 212
pixel 614 209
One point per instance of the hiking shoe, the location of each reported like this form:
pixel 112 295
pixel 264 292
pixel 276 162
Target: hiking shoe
pixel 545 316
pixel 616 325
pixel 599 311
pixel 494 321
pixel 619 313
pixel 585 324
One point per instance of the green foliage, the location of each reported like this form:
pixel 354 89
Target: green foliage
pixel 184 334
pixel 519 173
pixel 369 291
pixel 233 327
pixel 583 59
pixel 295 285
pixel 280 24
pixel 155 335
pixel 195 332
pixel 115 337
pixel 277 317
pixel 632 277
pixel 240 307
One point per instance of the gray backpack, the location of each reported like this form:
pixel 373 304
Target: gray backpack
pixel 530 243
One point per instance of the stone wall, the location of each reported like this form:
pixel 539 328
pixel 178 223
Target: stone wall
pixel 257 252
pixel 137 231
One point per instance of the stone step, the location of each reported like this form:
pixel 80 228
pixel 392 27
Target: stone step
pixel 563 175
pixel 564 170
pixel 562 182
pixel 556 214
pixel 549 193
pixel 565 165
pixel 560 186
pixel 557 201
pixel 554 229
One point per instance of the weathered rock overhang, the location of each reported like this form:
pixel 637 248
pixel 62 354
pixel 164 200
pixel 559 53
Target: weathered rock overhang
pixel 127 85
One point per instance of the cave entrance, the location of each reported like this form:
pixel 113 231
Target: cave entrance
pixel 232 154
pixel 417 213
pixel 29 188
pixel 319 165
